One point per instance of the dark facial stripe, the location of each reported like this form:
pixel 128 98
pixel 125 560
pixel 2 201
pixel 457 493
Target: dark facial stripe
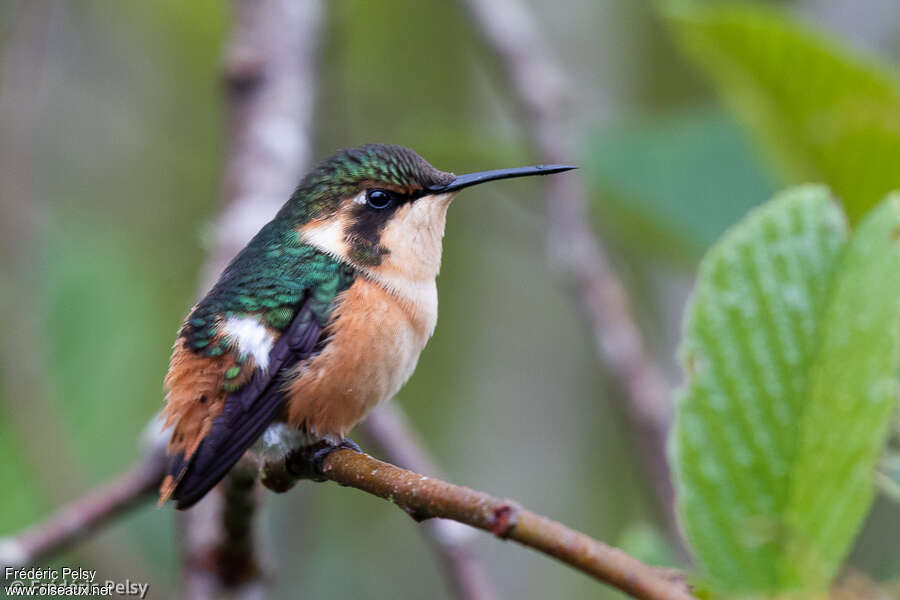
pixel 363 236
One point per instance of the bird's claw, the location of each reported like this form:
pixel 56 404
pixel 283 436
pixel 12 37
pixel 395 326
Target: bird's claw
pixel 323 449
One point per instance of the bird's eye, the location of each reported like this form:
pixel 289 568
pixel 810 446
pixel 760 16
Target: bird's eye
pixel 379 199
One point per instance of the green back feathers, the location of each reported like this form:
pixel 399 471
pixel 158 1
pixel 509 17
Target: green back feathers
pixel 270 277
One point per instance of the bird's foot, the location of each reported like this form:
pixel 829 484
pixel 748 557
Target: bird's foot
pixel 318 456
pixel 309 462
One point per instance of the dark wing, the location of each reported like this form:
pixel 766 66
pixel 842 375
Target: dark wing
pixel 246 415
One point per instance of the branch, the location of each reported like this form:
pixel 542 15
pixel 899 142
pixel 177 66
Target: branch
pixel 539 86
pixel 420 496
pixel 218 541
pixel 424 498
pixel 84 517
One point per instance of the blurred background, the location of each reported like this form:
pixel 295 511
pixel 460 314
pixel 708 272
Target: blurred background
pixel 112 144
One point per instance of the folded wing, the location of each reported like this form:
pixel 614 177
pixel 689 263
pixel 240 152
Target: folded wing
pixel 246 414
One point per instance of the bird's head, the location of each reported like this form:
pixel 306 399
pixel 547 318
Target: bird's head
pixel 382 208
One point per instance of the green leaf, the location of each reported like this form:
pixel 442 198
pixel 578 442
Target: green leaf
pixel 824 112
pixel 791 348
pixel 750 335
pixel 852 395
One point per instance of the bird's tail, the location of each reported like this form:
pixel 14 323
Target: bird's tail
pixel 232 433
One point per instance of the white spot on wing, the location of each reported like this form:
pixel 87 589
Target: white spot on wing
pixel 251 337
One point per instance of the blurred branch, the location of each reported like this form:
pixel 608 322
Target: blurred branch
pixel 425 497
pixel 387 427
pixel 219 541
pixel 540 87
pixel 269 78
pixel 86 516
pixel 270 85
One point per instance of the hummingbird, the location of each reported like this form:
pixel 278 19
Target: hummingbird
pixel 318 319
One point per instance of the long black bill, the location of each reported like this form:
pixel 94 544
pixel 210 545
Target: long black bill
pixel 464 181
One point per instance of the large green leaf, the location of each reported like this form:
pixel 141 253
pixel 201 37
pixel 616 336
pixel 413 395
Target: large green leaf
pixel 749 336
pixel 791 347
pixel 852 395
pixel 824 112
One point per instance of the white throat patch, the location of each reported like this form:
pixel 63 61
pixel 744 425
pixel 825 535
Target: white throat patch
pixel 251 338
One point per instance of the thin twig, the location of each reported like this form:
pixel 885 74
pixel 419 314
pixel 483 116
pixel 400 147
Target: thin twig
pixel 425 497
pixel 388 428
pixel 86 516
pixel 540 87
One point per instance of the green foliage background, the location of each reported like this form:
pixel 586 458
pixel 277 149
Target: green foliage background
pixel 508 395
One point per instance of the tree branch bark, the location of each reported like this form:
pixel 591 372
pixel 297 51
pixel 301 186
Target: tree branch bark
pixel 539 85
pixel 82 518
pixel 424 498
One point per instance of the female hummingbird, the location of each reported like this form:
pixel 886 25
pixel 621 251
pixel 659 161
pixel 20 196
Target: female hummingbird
pixel 319 318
